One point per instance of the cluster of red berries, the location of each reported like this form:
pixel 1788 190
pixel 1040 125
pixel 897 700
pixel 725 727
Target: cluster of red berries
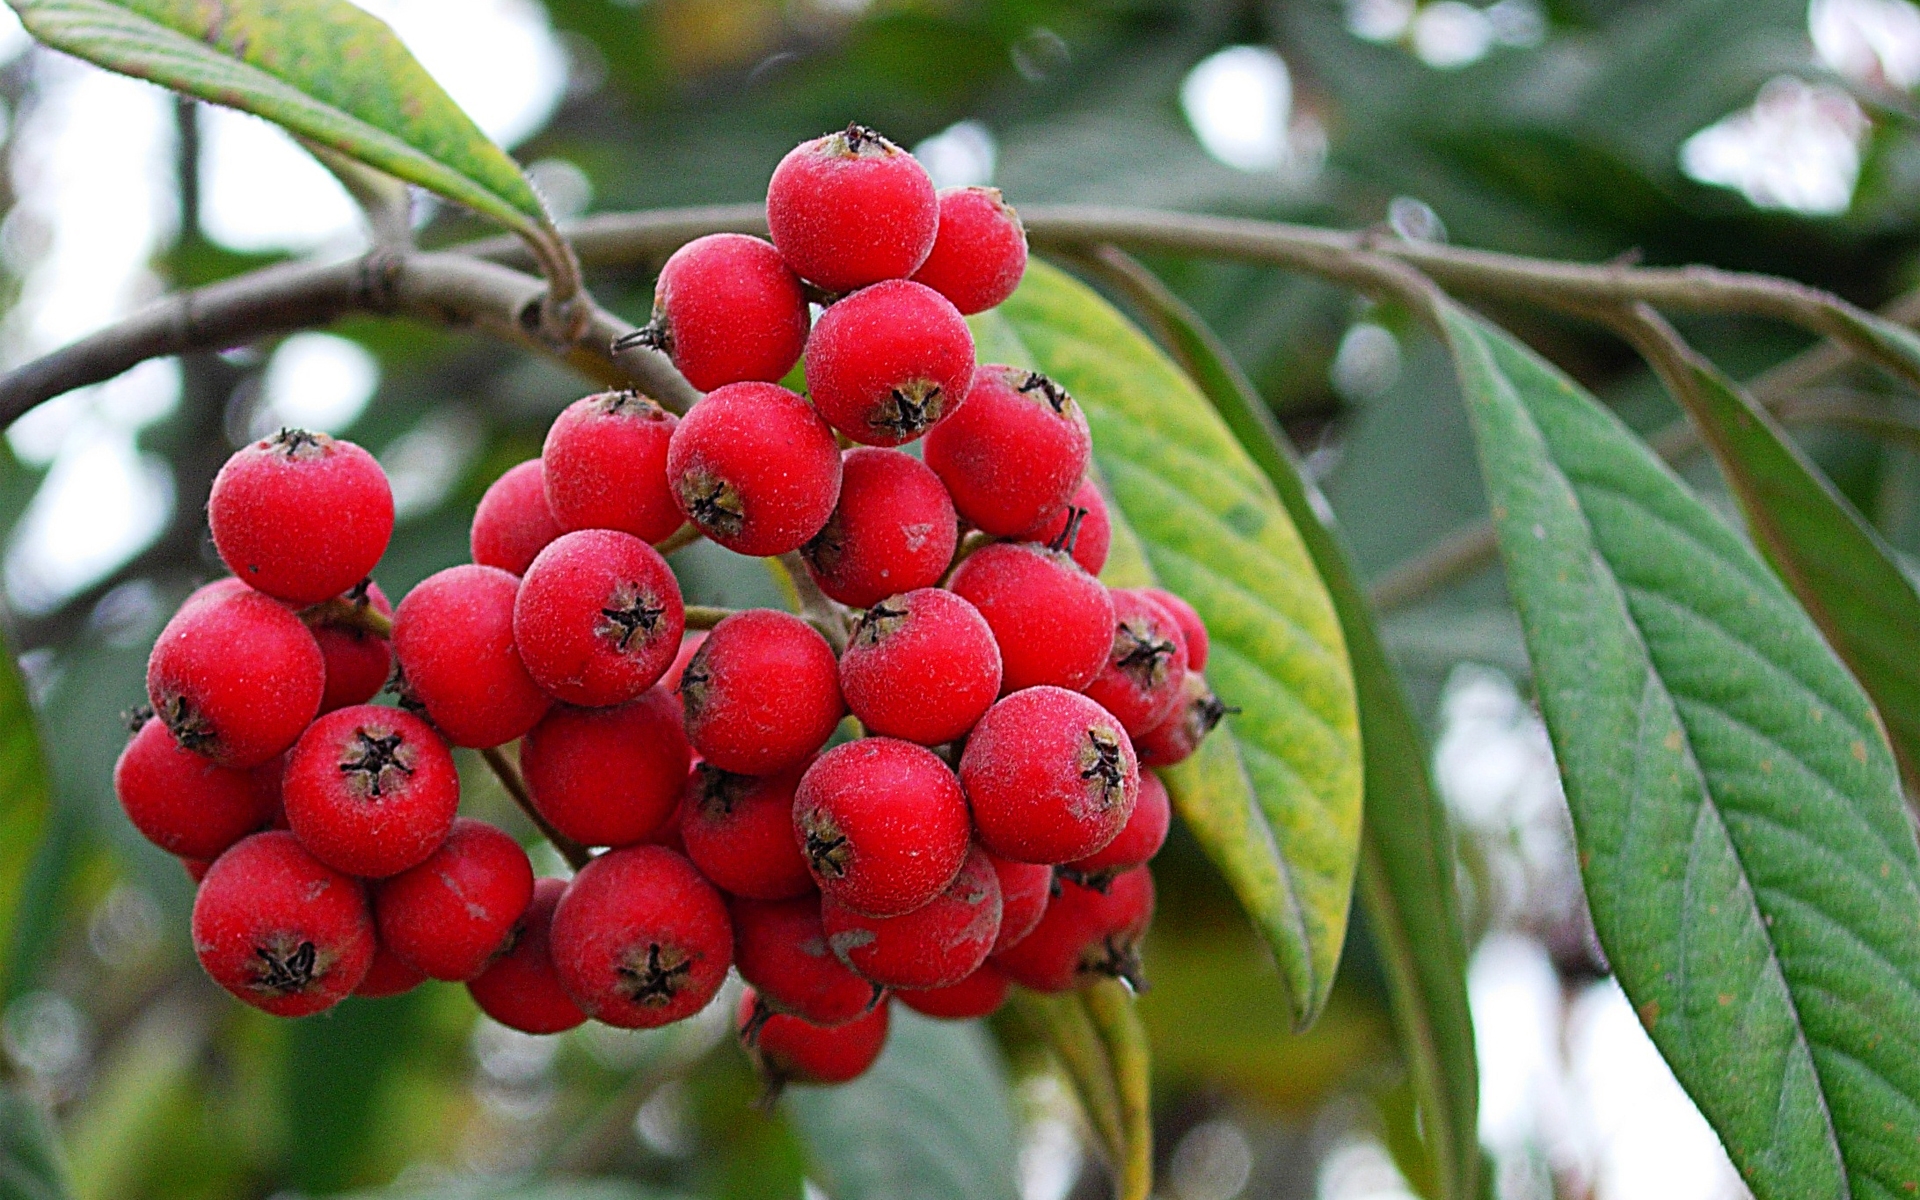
pixel 991 824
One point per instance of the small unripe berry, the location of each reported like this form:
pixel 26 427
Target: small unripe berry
pixel 1145 674
pixel 738 829
pixel 513 521
pixel 789 1050
pixel 1087 935
pixel 1081 527
pixel 883 825
pixel 892 531
pixel 1140 839
pixel 1051 776
pixel 606 466
pixel 755 468
pixel 921 666
pixel 936 945
pixel 1025 889
pixel 850 209
pixel 358 662
pixel 1052 621
pixel 781 951
pixel 980 251
pixel 762 693
pixel 449 916
pixel 1014 452
pixel 640 939
pixel 453 635
pixel 185 803
pixel 1176 738
pixel 521 989
pixel 889 362
pixel 978 995
pixel 388 976
pixel 236 676
pixel 598 618
pixel 727 309
pixel 301 516
pixel 371 791
pixel 280 929
pixel 608 776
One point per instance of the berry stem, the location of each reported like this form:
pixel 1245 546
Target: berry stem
pixel 686 535
pixel 509 776
pixel 820 610
pixel 968 544
pixel 706 616
pixel 343 613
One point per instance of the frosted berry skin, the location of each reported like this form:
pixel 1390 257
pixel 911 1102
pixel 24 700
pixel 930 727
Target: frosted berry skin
pixel 358 661
pixel 738 829
pixel 1140 838
pixel 1025 889
pixel 978 995
pixel 513 521
pixel 1090 539
pixel 371 791
pixel 453 637
pixel 1145 674
pixel 883 825
pixel 980 251
pixel 598 617
pixel 521 989
pixel 1013 452
pixel 450 915
pixel 936 945
pixel 608 776
pixel 789 1050
pixel 640 940
pixel 301 516
pixel 1192 629
pixel 781 950
pixel 1052 621
pixel 281 930
pixel 762 693
pixel 186 804
pixel 1087 935
pixel 606 466
pixel 893 530
pixel 922 666
pixel 889 362
pixel 726 309
pixel 236 676
pixel 1176 738
pixel 850 209
pixel 388 976
pixel 754 468
pixel 1051 776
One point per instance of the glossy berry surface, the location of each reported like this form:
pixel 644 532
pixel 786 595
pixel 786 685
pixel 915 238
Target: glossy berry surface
pixel 1087 935
pixel 936 945
pixel 640 940
pixel 301 516
pixel 1176 738
pixel 1013 452
pixel 281 930
pixel 1089 539
pixel 979 252
pixel 370 791
pixel 921 666
pixel 850 209
pixel 762 693
pixel 521 989
pixel 727 309
pixel 1140 838
pixel 1051 776
pixel 889 362
pixel 598 617
pixel 606 466
pixel 187 804
pixel 449 916
pixel 1146 670
pixel 883 825
pixel 388 976
pixel 1025 889
pixel 754 468
pixel 781 950
pixel 893 529
pixel 738 829
pixel 1192 629
pixel 453 637
pixel 358 661
pixel 235 676
pixel 978 995
pixel 787 1049
pixel 608 776
pixel 1052 621
pixel 513 521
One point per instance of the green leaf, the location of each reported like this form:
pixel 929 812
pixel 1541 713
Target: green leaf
pixel 25 802
pixel 932 1119
pixel 1063 1022
pixel 1752 872
pixel 1215 532
pixel 30 1164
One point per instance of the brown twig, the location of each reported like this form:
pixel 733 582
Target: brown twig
pixel 576 855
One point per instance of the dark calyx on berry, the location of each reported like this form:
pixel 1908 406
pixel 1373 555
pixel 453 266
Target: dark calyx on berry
pixel 189 727
pixel 656 979
pixel 858 139
pixel 1102 765
pixel 826 848
pixel 298 443
pixel 1056 396
pixel 286 969
pixel 1116 956
pixel 910 411
pixel 1140 654
pixel 1069 535
pixel 879 621
pixel 654 335
pixel 713 503
pixel 631 614
pixel 371 756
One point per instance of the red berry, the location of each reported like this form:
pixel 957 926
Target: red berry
pixel 196 868
pixel 980 251
pixel 978 995
pixel 280 929
pixel 1052 621
pixel 388 976
pixel 922 666
pixel 453 635
pixel 889 362
pixel 608 776
pixel 513 521
pixel 893 529
pixel 883 825
pixel 1051 776
pixel 358 662
pixel 738 829
pixel 850 209
pixel 1086 935
pixel 1177 737
pixel 450 915
pixel 187 804
pixel 606 466
pixel 1192 629
pixel 762 693
pixel 789 1050
pixel 225 586
pixel 1014 452
pixel 640 939
pixel 521 990
pixel 598 618
pixel 1025 889
pixel 1146 671
pixel 301 516
pixel 781 951
pixel 371 791
pixel 936 945
pixel 726 309
pixel 1090 539
pixel 755 468
pixel 1140 839
pixel 235 676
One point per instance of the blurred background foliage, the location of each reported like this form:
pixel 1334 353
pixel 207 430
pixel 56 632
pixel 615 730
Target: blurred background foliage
pixel 1747 133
